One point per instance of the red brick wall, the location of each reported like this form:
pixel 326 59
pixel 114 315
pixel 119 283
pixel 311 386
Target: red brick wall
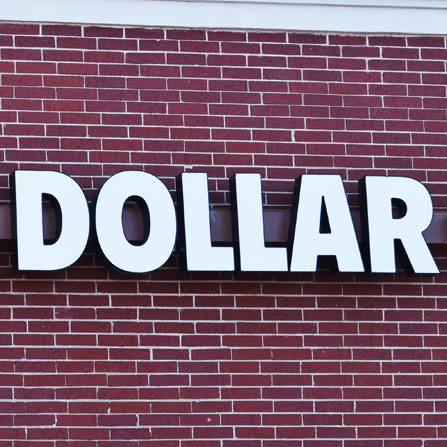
pixel 90 357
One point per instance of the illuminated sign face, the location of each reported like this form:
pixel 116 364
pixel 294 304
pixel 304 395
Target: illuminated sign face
pixel 318 198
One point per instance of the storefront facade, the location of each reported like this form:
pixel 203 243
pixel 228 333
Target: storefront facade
pixel 94 357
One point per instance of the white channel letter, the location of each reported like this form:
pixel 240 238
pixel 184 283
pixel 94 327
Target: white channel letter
pixel 384 229
pixel 155 251
pixel 200 254
pixel 32 252
pixel 308 241
pixel 253 254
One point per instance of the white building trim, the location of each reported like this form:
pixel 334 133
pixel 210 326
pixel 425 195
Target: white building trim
pixel 347 16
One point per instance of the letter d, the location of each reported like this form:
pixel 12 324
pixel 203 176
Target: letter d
pixel 32 252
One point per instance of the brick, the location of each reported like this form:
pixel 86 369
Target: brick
pixel 62 55
pixel 76 42
pixel 36 67
pixel 307 38
pixel 295 432
pixel 32 41
pixel 12 433
pixel 64 81
pixel 118 44
pixel 18 28
pixel 21 80
pixel 21 53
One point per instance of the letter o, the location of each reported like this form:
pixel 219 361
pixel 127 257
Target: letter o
pixel 155 251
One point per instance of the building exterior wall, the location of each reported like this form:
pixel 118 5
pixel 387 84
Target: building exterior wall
pixel 93 357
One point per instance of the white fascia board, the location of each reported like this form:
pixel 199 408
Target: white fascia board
pixel 341 16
